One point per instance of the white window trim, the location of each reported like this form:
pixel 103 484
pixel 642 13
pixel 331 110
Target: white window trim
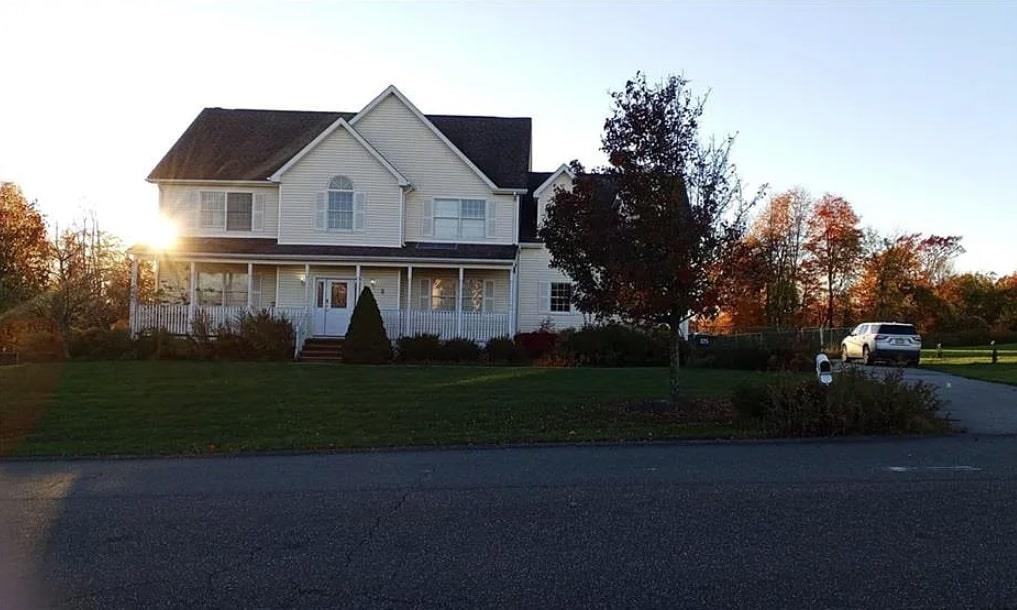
pixel 547 301
pixel 358 219
pixel 225 210
pixel 353 209
pixel 489 220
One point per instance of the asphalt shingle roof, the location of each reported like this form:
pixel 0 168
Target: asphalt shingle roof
pixel 228 144
pixel 255 246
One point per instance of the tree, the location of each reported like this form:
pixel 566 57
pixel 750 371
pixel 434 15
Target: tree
pixel 366 341
pixel 24 249
pixel 89 283
pixel 777 236
pixel 899 278
pixel 834 244
pixel 645 238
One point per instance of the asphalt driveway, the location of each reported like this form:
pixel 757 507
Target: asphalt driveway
pixel 980 407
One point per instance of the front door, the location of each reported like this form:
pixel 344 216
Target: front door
pixel 332 306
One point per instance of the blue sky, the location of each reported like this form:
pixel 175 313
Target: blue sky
pixel 909 110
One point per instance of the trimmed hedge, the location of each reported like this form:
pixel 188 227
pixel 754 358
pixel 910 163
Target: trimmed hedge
pixel 418 348
pixel 792 356
pixel 617 345
pixel 537 344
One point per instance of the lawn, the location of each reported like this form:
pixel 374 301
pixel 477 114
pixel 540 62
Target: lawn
pixel 975 362
pixel 94 408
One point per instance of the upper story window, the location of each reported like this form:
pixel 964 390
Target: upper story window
pixel 340 204
pixel 341 207
pixel 225 210
pixel 458 219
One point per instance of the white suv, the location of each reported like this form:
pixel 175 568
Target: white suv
pixel 889 341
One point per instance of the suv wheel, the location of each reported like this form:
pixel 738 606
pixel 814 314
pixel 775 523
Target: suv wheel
pixel 865 355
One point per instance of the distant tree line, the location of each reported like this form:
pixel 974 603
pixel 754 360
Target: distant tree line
pixel 809 262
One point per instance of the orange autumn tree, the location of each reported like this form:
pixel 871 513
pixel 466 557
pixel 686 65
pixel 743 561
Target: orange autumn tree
pixel 834 245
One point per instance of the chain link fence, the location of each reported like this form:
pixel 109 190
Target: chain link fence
pixel 823 338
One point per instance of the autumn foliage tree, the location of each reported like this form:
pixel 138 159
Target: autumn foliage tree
pixel 834 245
pixel 646 237
pixel 24 248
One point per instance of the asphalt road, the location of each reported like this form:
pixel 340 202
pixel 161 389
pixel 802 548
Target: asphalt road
pixel 906 523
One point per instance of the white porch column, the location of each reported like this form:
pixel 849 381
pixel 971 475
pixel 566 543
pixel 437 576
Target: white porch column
pixel 193 290
pixel 250 282
pixel 409 301
pixel 513 289
pixel 459 304
pixel 132 314
pixel 356 297
pixel 307 287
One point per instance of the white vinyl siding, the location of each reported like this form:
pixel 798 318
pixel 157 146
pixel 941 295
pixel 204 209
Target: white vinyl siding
pixel 435 171
pixel 314 213
pixel 201 210
pixel 535 280
pixel 562 181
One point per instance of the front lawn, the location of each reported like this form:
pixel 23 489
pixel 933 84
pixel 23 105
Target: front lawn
pixel 975 363
pixel 93 408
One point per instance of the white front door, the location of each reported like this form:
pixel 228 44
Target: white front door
pixel 333 300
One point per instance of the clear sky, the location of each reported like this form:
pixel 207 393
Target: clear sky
pixel 907 109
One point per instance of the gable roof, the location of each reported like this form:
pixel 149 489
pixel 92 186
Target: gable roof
pixel 341 123
pixel 244 144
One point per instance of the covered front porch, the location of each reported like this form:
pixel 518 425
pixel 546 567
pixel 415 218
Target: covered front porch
pixel 468 300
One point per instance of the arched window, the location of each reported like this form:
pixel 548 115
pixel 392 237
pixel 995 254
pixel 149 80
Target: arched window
pixel 340 203
pixel 340 183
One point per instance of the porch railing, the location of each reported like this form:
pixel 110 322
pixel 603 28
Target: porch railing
pixel 176 319
pixel 475 325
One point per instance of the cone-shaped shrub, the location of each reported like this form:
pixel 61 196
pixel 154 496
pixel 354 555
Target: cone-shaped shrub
pixel 366 342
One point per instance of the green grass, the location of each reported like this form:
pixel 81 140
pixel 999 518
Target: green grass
pixel 208 407
pixel 975 363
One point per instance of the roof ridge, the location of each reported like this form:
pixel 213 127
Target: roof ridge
pixel 450 116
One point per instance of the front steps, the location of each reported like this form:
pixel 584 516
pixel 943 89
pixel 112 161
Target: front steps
pixel 321 349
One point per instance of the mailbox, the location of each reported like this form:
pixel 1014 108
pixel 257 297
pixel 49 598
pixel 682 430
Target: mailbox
pixel 824 370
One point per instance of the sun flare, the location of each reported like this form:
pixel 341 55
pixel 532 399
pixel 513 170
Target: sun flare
pixel 157 233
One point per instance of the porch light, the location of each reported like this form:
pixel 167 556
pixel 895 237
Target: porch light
pixel 303 279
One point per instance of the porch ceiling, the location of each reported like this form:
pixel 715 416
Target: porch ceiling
pixel 246 247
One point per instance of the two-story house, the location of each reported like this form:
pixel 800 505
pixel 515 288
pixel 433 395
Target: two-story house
pixel 296 212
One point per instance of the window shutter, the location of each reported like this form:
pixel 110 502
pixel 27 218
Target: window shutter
pixel 256 290
pixel 425 293
pixel 192 209
pixel 489 214
pixel 319 213
pixel 359 210
pixel 545 296
pixel 427 227
pixel 258 212
pixel 488 295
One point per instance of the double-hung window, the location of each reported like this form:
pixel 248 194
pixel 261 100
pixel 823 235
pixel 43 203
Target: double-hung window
pixel 460 218
pixel 561 297
pixel 213 210
pixel 339 214
pixel 229 211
